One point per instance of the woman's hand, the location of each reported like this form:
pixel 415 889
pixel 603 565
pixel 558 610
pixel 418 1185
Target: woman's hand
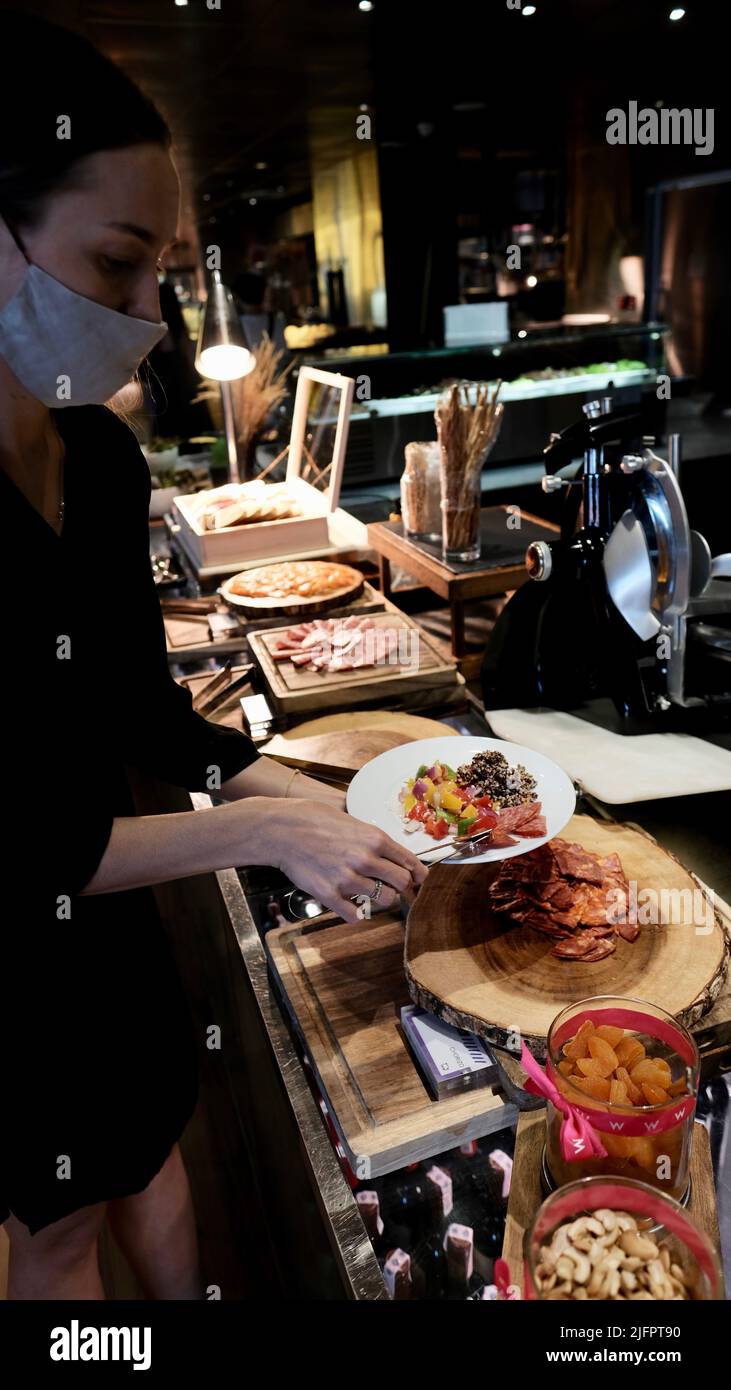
pixel 326 852
pixel 336 858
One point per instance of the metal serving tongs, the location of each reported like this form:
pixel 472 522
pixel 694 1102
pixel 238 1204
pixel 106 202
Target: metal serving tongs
pixel 466 846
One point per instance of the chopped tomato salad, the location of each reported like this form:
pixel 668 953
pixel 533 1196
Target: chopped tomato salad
pixel 434 801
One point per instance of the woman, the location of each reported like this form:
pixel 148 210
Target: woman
pixel 98 1058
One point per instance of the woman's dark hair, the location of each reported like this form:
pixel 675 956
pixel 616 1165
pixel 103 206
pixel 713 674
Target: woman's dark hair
pixel 49 73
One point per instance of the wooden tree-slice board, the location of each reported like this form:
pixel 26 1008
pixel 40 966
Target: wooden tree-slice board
pixel 294 606
pixel 350 740
pixel 471 968
pixel 409 726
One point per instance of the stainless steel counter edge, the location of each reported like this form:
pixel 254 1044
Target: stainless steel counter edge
pixel 350 1244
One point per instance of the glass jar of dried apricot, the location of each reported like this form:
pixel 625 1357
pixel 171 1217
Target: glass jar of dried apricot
pixel 630 1071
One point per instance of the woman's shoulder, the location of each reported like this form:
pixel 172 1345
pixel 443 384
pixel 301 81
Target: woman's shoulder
pixel 104 447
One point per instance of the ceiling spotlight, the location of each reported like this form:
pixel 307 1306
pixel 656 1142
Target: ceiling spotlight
pixel 261 164
pixel 676 14
pixel 522 333
pixel 528 11
pixel 253 201
pixel 532 281
pixel 365 5
pixel 181 3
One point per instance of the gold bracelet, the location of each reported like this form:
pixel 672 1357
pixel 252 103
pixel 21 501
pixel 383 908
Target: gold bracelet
pixel 291 780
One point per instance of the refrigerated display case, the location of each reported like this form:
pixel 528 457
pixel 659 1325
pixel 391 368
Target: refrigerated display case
pixel 546 376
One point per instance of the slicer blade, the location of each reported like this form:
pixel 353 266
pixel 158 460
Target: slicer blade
pixel 630 577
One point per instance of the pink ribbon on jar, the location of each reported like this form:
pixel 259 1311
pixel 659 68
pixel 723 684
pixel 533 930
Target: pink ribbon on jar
pixel 579 1139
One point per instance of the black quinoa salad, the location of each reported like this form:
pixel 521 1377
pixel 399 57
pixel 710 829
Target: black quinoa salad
pixel 495 777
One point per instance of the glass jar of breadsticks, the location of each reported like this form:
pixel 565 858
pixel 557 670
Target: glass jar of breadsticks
pixel 421 492
pixel 629 1071
pixel 468 423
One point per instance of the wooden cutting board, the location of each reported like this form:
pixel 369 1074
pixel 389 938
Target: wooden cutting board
pixel 295 690
pixel 343 986
pixel 466 965
pixel 350 740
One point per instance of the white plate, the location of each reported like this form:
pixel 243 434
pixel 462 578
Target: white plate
pixel 373 794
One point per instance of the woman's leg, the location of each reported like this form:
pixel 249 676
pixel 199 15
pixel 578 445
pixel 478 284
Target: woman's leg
pixel 58 1262
pixel 155 1230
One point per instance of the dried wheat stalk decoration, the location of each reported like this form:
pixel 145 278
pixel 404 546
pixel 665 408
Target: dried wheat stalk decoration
pixel 255 396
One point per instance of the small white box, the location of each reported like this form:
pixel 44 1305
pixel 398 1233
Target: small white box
pixel 256 539
pixel 260 540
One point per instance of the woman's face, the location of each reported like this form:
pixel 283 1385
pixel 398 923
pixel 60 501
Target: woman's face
pixel 104 235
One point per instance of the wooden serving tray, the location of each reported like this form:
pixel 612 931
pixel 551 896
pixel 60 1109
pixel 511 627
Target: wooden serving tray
pixel 465 964
pixel 526 1194
pixel 343 986
pixel 295 690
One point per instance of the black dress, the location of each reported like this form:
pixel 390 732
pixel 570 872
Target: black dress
pixel 98 1061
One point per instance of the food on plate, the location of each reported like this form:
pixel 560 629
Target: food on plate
pixel 338 644
pixel 608 1254
pixel 240 504
pixel 564 891
pixel 295 579
pixel 492 775
pixel 439 800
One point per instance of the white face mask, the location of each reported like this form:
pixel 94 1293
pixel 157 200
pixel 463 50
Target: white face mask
pixel 66 349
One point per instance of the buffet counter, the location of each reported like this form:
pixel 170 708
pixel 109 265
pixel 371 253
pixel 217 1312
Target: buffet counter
pixel 307 1186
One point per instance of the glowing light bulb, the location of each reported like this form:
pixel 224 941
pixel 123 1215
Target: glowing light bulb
pixel 225 362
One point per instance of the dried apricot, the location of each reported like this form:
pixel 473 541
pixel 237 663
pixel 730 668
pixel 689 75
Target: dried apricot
pixel 634 1093
pixel 589 1066
pixel 663 1067
pixel 654 1095
pixel 610 1034
pixel 595 1086
pixel 617 1145
pixel 629 1051
pixel 567 1066
pixel 678 1088
pixel 577 1046
pixel 643 1153
pixel 603 1053
pixel 646 1070
pixel 618 1093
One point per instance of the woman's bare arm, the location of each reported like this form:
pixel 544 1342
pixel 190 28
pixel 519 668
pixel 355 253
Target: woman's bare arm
pixel 324 851
pixel 267 778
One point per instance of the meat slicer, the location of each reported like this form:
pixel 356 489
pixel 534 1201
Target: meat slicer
pixel 626 608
